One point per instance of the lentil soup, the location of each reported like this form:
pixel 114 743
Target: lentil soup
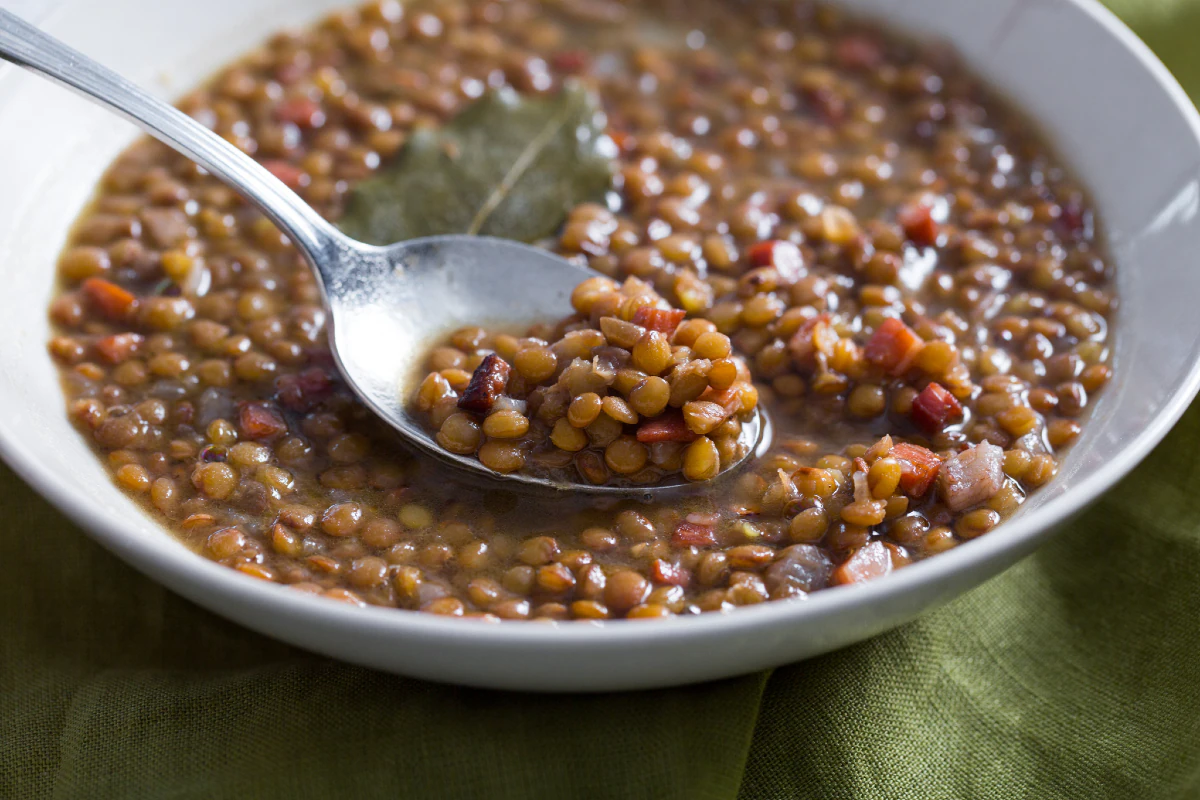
pixel 917 289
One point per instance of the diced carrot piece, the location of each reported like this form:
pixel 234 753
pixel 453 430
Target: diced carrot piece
pixel 663 320
pixel 919 225
pixel 934 407
pixel 292 176
pixel 893 347
pixel 300 111
pixel 668 573
pixel 784 256
pixel 872 560
pixel 689 534
pixel 260 421
pixel 119 347
pixel 668 427
pixel 109 299
pixel 918 468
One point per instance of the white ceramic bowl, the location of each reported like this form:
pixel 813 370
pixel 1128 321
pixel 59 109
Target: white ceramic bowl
pixel 1118 118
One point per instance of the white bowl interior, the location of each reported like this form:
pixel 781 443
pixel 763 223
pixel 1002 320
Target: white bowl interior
pixel 1111 111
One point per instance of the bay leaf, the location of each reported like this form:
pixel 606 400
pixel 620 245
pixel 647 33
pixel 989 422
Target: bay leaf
pixel 507 166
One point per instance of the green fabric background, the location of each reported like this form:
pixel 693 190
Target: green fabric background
pixel 1074 675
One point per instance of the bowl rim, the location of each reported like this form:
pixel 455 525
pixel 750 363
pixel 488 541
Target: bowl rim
pixel 197 578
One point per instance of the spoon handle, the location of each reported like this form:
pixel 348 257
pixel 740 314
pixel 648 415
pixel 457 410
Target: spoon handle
pixel 27 46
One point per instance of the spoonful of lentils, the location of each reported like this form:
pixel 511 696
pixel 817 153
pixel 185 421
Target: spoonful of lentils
pixel 623 396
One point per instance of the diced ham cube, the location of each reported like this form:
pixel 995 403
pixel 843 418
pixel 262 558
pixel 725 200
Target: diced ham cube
pixel 919 468
pixel 668 427
pixel 934 408
pixel 815 336
pixel 783 256
pixel 893 347
pixel 663 320
pixel 1074 218
pixel 872 560
pixel 118 347
pixel 487 383
pixel 729 398
pixel 858 51
pixel 301 112
pixel 972 476
pixel 292 176
pixel 301 392
pixel 919 225
pixel 689 534
pixel 670 574
pixel 569 61
pixel 826 104
pixel 260 421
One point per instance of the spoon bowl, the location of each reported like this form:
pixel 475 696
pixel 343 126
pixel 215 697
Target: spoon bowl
pixel 391 303
pixel 386 305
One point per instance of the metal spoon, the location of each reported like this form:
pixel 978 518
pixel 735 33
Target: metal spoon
pixel 384 304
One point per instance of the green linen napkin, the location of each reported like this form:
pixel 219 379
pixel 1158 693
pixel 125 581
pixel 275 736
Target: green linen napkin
pixel 1076 674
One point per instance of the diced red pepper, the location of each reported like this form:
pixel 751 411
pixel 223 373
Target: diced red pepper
pixel 119 347
pixel 934 407
pixel 857 51
pixel 668 573
pixel 569 61
pixel 260 421
pixel 872 560
pixel 300 111
pixel 893 347
pixel 487 383
pixel 784 256
pixel 109 299
pixel 919 225
pixel 292 176
pixel 668 427
pixel 688 534
pixel 663 320
pixel 918 468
